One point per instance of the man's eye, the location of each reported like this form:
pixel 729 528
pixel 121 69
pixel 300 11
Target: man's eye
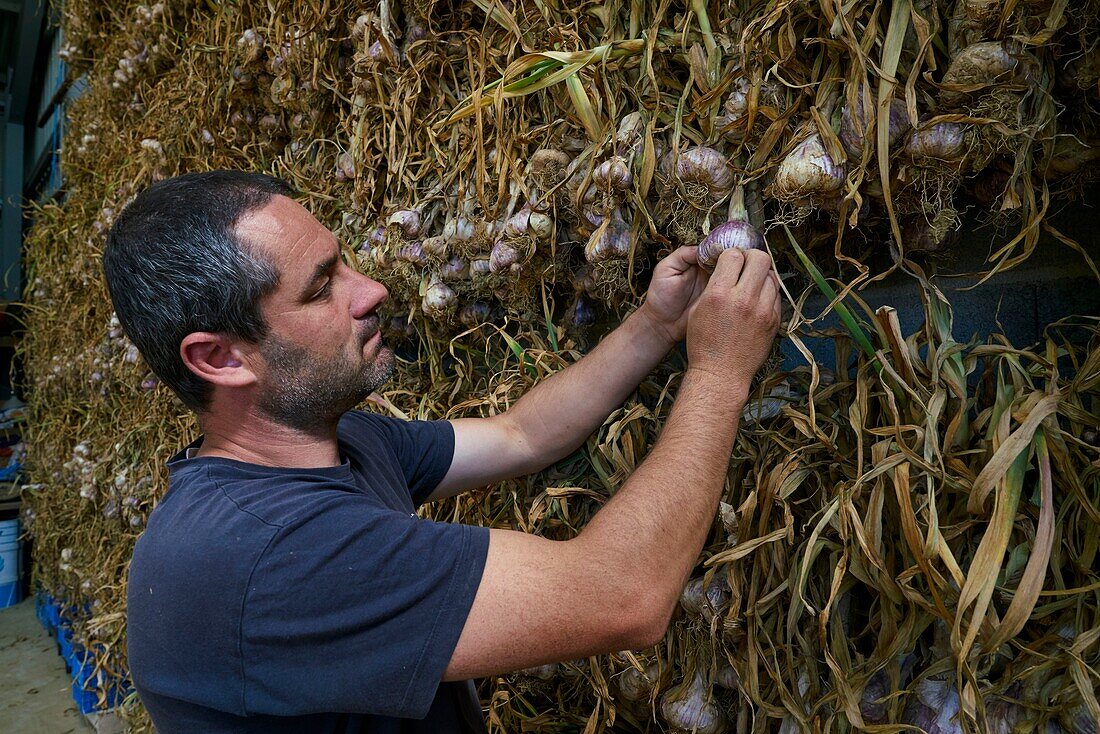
pixel 325 290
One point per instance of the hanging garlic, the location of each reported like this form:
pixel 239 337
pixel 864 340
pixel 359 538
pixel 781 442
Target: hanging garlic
pixel 581 313
pixel 549 167
pixel 704 172
pixel 636 685
pixel 690 708
pixel 807 173
pixel 734 234
pixel 407 220
pixel 542 672
pixel 504 257
pixel 610 240
pixel 439 300
pixel 454 269
pixel 480 268
pixel 853 125
pixel 474 314
pixel 705 602
pixel 728 678
pixel 345 167
pixel 458 230
pixel 435 246
pixel 934 707
pixel 982 64
pixel 939 143
pixel 410 252
pixel 613 175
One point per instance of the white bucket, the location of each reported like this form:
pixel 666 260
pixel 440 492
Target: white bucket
pixel 11 563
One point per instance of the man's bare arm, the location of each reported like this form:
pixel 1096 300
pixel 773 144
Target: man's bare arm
pixel 560 413
pixel 616 584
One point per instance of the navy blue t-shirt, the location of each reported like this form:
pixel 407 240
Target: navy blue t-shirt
pixel 267 599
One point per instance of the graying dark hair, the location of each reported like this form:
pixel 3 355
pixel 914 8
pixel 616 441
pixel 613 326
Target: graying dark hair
pixel 174 266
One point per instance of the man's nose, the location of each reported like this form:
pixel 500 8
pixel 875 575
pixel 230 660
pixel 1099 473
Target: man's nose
pixel 369 294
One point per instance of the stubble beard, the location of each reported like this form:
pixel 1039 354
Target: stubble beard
pixel 308 394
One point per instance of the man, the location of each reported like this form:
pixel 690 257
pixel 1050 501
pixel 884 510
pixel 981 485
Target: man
pixel 284 583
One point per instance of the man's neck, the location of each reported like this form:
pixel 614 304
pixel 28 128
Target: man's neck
pixel 257 439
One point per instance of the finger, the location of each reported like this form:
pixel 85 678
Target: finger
pixel 757 271
pixel 728 268
pixel 682 259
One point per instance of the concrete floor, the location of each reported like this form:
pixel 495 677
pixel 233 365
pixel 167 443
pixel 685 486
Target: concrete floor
pixel 35 690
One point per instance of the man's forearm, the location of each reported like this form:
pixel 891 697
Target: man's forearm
pixel 559 413
pixel 652 530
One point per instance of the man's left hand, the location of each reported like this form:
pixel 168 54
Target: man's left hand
pixel 677 283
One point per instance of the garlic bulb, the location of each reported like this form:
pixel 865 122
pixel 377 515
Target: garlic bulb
pixel 410 252
pixel 458 229
pixel 613 175
pixel 455 269
pixel 581 313
pixel 504 257
pixel 480 268
pixel 474 314
pixel 407 220
pixel 1078 720
pixel 439 299
pixel 853 126
pixel 934 707
pixel 434 246
pixel 942 142
pixel 549 167
pixel 542 672
pixel 735 234
pixel 610 240
pixel 705 602
pixel 808 173
pixel 636 685
pixel 982 63
pixel 728 678
pixel 704 173
pixel 690 708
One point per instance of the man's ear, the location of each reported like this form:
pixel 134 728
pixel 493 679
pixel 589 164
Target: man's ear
pixel 216 358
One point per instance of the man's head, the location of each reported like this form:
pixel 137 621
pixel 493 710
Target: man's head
pixel 223 281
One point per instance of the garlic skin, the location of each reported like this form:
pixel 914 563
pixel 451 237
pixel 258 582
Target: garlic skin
pixel 581 313
pixel 455 269
pixel 613 175
pixel 704 173
pixel 439 300
pixel 980 63
pixel 727 678
pixel 480 268
pixel 435 246
pixel 636 685
pixel 733 235
pixel 853 126
pixel 1078 720
pixel 807 173
pixel 410 252
pixel 549 167
pixel 407 220
pixel 934 707
pixel 504 257
pixel 940 143
pixel 690 708
pixel 610 240
pixel 458 229
pixel 474 314
pixel 705 602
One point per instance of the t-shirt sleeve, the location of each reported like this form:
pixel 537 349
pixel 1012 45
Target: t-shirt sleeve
pixel 357 609
pixel 424 449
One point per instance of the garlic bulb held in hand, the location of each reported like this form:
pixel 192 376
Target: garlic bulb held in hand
pixel 735 234
pixel 690 707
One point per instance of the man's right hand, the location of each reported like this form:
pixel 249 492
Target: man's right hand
pixel 731 329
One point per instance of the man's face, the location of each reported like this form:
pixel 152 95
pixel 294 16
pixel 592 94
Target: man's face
pixel 323 353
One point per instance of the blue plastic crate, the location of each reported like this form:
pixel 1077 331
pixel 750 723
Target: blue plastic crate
pixel 85 682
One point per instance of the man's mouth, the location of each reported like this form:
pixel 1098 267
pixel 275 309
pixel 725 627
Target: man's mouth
pixel 370 329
